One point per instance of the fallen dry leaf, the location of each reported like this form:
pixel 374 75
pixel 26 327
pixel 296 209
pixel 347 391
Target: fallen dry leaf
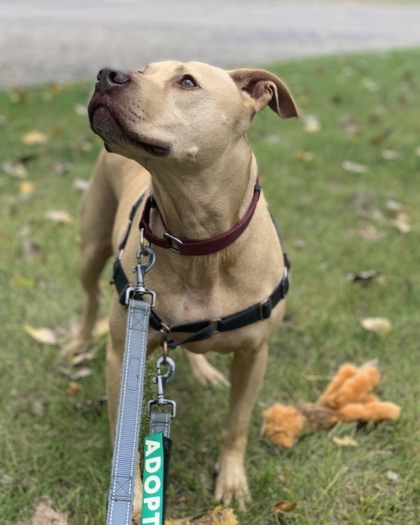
pixel 31 251
pixel 73 389
pixel 306 156
pixel 392 476
pixel 27 188
pixel 80 184
pixel 370 84
pixel 81 144
pixel 345 441
pixel 78 359
pixel 218 516
pixel 59 216
pixel 364 276
pixel 76 373
pixel 62 167
pixel 388 154
pixel 354 167
pixel 34 137
pixel 311 124
pixel 368 232
pixel 14 170
pixel 402 222
pixel 350 126
pixel 101 328
pixel 46 515
pixel 80 109
pixel 44 336
pixel 395 206
pixel 379 325
pixel 285 506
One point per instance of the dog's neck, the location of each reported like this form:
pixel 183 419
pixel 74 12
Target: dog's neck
pixel 202 202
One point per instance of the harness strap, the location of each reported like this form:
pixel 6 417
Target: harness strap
pixel 201 330
pixel 205 329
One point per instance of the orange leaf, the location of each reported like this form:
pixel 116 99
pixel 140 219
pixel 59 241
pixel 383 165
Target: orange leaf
pixel 285 506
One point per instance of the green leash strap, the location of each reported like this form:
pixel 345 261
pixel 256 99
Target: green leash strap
pixel 157 449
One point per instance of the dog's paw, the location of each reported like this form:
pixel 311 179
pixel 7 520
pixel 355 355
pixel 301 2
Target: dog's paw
pixel 206 373
pixel 231 484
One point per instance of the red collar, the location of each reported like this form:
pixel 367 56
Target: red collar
pixel 201 246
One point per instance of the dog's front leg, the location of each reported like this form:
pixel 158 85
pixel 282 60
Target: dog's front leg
pixel 247 374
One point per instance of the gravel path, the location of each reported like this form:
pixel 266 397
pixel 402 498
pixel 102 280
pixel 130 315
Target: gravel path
pixel 66 40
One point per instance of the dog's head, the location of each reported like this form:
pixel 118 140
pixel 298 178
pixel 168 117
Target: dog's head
pixel 182 111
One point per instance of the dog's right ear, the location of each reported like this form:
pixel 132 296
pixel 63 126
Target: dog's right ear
pixel 261 88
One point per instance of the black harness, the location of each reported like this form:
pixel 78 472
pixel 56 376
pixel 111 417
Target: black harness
pixel 201 330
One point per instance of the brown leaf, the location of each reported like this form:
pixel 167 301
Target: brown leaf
pixel 379 139
pixel 46 515
pixel 285 506
pixel 73 389
pixel 44 336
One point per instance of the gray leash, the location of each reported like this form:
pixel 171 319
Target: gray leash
pixel 123 474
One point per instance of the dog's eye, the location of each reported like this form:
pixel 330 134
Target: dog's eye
pixel 188 82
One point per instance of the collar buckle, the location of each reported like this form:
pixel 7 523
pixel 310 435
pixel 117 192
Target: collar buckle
pixel 174 239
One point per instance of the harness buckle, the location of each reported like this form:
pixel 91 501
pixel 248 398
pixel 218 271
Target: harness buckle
pixel 265 308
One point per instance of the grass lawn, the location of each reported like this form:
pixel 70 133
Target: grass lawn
pixel 343 182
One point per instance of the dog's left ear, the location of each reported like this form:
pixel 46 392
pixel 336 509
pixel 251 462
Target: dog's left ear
pixel 265 88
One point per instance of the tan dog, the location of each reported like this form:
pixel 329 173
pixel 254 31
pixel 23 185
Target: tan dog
pixel 185 124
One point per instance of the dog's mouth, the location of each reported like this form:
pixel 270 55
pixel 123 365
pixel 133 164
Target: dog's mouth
pixel 109 127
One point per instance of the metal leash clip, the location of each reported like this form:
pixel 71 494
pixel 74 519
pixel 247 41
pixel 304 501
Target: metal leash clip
pixel 161 380
pixel 140 270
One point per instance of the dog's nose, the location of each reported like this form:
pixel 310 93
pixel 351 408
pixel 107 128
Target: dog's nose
pixel 108 78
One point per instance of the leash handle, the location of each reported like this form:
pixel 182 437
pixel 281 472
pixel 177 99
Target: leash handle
pixel 123 473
